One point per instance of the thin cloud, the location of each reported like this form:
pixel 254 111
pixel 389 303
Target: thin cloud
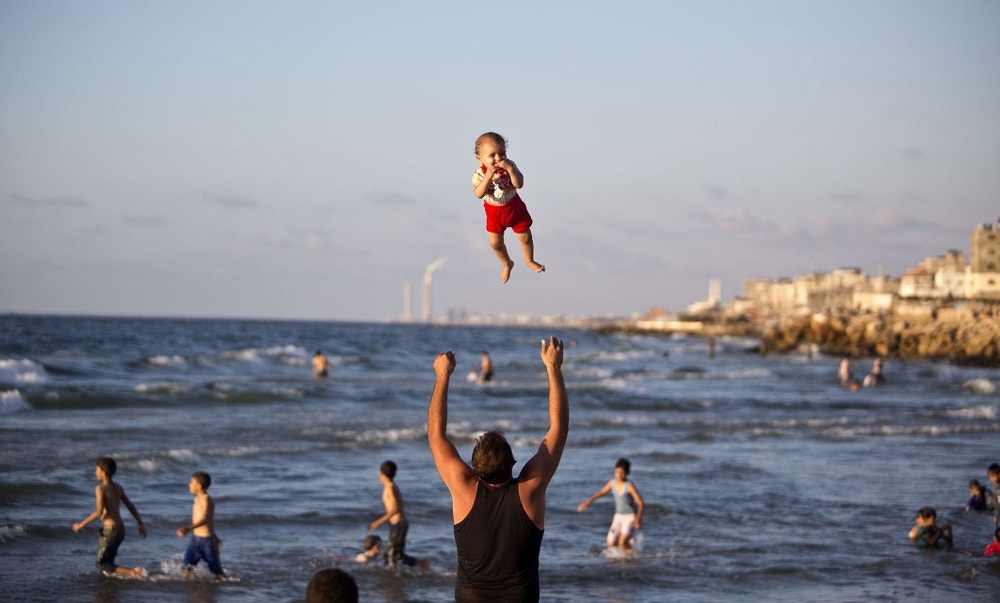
pixel 49 202
pixel 230 202
pixel 389 199
pixel 914 153
pixel 713 191
pixel 144 221
pixel 846 196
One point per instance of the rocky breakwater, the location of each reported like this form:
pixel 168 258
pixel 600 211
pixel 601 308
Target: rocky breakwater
pixel 960 338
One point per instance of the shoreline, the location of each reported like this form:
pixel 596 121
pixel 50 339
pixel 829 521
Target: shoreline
pixel 957 337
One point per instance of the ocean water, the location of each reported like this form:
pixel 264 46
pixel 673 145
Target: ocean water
pixel 763 479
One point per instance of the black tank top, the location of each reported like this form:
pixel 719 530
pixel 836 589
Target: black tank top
pixel 498 549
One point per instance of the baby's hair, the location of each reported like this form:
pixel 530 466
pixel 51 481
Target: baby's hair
pixel 624 464
pixel 496 138
pixel 975 484
pixel 996 534
pixel 371 541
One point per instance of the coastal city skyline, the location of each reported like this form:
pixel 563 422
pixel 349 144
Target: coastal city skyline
pixel 304 161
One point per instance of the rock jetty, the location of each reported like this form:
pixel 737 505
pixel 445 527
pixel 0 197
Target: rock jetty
pixel 963 339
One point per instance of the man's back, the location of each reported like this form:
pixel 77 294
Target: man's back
pixel 498 548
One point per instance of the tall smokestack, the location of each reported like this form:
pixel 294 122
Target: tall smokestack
pixel 425 305
pixel 407 301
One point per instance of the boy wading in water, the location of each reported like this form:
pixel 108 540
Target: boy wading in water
pixel 204 543
pixel 628 507
pixel 392 499
pixel 110 496
pixel 496 183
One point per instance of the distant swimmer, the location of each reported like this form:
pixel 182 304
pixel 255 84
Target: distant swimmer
pixel 875 378
pixel 321 368
pixel 844 372
pixel 499 519
pixel 485 369
pixel 496 183
pixel 628 507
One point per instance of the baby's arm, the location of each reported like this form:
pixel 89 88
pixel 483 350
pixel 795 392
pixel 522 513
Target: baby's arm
pixel 607 488
pixel 516 177
pixel 479 189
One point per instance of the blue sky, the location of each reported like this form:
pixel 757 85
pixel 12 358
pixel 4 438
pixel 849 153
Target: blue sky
pixel 305 159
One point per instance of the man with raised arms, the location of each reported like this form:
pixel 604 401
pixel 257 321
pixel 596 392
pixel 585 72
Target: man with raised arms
pixel 499 519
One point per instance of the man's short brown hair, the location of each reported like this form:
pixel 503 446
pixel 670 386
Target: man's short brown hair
pixel 492 458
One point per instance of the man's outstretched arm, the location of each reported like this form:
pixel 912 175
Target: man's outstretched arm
pixel 456 475
pixel 543 465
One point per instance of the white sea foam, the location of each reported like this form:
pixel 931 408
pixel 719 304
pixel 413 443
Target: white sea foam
pixel 289 350
pixel 161 388
pixel 980 385
pixel 21 370
pixel 11 402
pixel 148 465
pixel 172 361
pixel 184 455
pixel 10 532
pixel 291 392
pixel 975 412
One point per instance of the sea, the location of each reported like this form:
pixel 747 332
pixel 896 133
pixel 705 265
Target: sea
pixel 763 479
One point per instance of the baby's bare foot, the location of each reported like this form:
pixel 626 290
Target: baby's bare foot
pixel 505 275
pixel 536 266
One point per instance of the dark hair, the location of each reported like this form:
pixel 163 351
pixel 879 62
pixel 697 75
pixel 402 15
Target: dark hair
pixel 492 458
pixel 975 484
pixel 332 585
pixel 624 464
pixel 372 540
pixel 996 534
pixel 496 138
pixel 388 469
pixel 204 479
pixel 927 512
pixel 107 465
pixel 994 468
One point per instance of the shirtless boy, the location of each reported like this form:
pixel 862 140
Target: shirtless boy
pixel 204 543
pixel 392 499
pixel 110 496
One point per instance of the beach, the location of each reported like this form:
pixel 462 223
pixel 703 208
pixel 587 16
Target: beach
pixel 763 479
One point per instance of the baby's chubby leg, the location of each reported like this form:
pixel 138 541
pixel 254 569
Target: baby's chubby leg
pixel 500 249
pixel 528 249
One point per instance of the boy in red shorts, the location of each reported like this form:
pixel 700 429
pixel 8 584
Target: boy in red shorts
pixel 496 183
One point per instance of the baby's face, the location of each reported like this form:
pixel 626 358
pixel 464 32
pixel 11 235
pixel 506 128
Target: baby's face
pixel 491 153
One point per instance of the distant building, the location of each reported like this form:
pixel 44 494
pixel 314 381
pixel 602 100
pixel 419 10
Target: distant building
pixel 941 278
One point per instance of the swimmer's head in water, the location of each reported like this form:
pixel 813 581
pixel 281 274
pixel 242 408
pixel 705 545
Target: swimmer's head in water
pixel 372 541
pixel 492 458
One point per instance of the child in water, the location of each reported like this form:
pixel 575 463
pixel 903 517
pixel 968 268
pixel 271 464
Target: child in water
pixel 628 507
pixel 927 534
pixel 977 497
pixel 993 548
pixel 496 183
pixel 110 496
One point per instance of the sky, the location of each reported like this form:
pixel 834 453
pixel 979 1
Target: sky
pixel 304 160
